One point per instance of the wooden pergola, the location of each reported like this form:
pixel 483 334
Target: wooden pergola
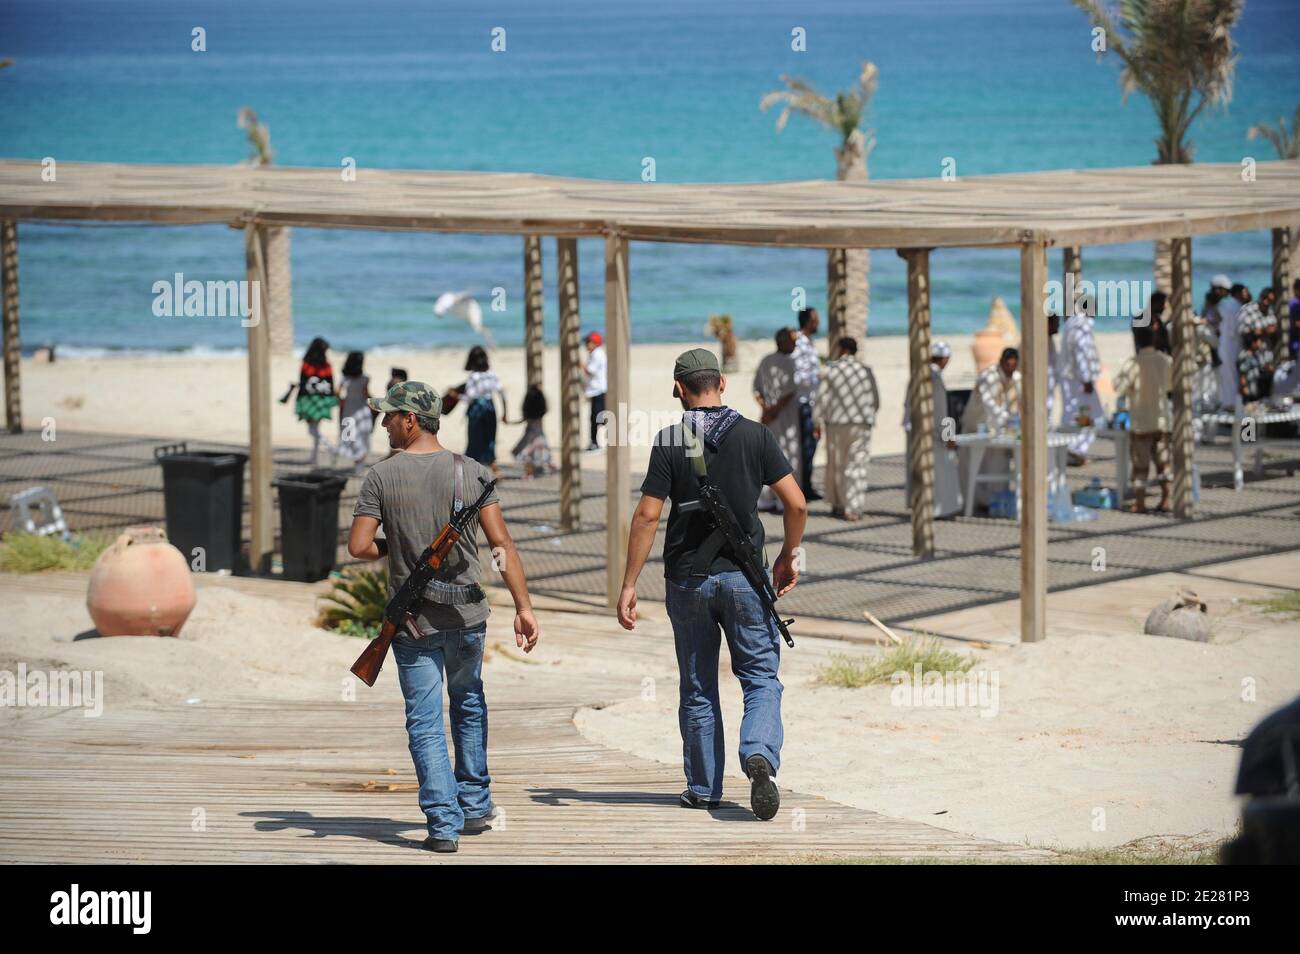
pixel 1031 212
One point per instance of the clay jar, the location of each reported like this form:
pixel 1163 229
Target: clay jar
pixel 987 347
pixel 140 586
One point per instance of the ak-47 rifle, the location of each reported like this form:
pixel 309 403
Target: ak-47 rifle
pixel 735 540
pixel 398 611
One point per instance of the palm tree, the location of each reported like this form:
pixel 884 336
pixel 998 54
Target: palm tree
pixel 1286 142
pixel 279 273
pixel 843 114
pixel 1179 54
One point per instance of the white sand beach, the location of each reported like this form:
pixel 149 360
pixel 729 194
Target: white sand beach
pixel 206 398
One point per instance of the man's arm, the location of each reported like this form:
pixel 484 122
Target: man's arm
pixel 506 559
pixel 795 516
pixel 640 539
pixel 362 544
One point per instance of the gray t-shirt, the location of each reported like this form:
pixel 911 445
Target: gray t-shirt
pixel 411 495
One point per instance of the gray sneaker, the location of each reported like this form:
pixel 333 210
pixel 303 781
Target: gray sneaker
pixel 476 826
pixel 443 846
pixel 764 797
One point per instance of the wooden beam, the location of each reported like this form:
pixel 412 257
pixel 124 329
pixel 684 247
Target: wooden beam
pixel 566 277
pixel 1182 323
pixel 618 480
pixel 13 346
pixel 1033 443
pixel 279 288
pixel 837 294
pixel 261 541
pixel 1282 261
pixel 1071 276
pixel 534 343
pixel 920 401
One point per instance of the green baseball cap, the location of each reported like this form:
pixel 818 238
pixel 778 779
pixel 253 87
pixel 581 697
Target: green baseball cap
pixel 413 396
pixel 697 359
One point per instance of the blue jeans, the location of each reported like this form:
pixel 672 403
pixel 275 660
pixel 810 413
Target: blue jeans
pixel 698 607
pixel 446 797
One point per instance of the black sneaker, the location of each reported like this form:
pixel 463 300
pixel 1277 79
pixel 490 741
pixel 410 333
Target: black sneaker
pixel 443 846
pixel 475 826
pixel 689 799
pixel 764 798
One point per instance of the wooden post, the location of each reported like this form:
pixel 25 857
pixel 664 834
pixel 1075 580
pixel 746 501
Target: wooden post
pixel 279 288
pixel 13 350
pixel 1071 276
pixel 1033 442
pixel 1184 341
pixel 533 340
pixel 837 294
pixel 618 484
pixel 1282 283
pixel 261 541
pixel 920 401
pixel 566 257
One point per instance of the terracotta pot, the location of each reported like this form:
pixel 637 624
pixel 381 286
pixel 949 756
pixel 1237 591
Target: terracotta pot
pixel 987 347
pixel 140 586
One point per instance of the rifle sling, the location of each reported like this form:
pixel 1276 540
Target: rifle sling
pixel 712 545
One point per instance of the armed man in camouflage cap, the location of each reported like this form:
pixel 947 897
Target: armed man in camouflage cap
pixel 413 495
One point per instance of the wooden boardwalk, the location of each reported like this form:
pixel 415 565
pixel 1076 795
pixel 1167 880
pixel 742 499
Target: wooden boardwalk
pixel 307 783
pixel 257 780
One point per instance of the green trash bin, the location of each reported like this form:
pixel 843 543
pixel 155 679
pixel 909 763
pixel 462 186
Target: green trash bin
pixel 309 524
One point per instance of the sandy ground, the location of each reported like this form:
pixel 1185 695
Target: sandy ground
pixel 207 398
pixel 1097 738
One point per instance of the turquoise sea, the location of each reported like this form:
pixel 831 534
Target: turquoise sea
pixel 582 89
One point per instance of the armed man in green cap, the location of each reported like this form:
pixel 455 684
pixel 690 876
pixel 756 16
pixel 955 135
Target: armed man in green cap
pixel 413 494
pixel 707 592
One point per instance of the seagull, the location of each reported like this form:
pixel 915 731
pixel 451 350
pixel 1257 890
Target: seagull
pixel 464 306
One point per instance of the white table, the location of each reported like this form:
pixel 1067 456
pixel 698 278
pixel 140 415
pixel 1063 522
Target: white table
pixel 1058 445
pixel 1234 420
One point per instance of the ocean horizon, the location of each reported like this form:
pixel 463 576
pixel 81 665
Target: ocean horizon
pixel 583 90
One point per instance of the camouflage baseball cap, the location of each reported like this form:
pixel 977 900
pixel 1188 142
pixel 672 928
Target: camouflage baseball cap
pixel 413 396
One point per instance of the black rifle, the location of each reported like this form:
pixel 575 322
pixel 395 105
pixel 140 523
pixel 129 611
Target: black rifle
pixel 723 520
pixel 398 611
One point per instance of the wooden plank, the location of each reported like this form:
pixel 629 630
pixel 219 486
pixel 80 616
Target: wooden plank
pixel 261 541
pixel 1184 342
pixel 1033 443
pixel 566 258
pixel 12 337
pixel 920 400
pixel 618 487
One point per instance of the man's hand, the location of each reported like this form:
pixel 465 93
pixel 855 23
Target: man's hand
pixel 817 433
pixel 784 575
pixel 1087 387
pixel 627 608
pixel 526 629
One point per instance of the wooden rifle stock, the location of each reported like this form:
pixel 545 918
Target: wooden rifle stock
pixel 371 660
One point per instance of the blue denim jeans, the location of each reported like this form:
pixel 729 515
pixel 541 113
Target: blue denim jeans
pixel 699 608
pixel 446 797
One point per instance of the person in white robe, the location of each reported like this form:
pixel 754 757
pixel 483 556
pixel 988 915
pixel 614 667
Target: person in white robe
pixel 776 392
pixel 1229 309
pixel 1080 368
pixel 994 406
pixel 947 479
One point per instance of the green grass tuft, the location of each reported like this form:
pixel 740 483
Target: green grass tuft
pixel 22 552
pixel 851 672
pixel 1288 605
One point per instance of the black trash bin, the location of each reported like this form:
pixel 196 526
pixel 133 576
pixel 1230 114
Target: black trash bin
pixel 203 497
pixel 309 524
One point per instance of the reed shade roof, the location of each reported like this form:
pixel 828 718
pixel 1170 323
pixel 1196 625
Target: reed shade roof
pixel 1068 207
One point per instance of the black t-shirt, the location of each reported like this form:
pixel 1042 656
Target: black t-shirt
pixel 748 460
